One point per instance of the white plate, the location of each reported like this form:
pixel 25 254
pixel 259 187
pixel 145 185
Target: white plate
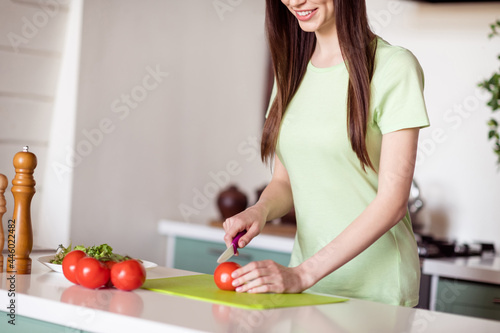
pixel 58 268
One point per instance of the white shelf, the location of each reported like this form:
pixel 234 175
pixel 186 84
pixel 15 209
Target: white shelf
pixel 468 268
pixel 213 234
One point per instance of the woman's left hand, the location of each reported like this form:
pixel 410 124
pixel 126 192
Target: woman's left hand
pixel 268 276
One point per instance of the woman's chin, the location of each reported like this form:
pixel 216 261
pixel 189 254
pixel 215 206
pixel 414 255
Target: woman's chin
pixel 307 27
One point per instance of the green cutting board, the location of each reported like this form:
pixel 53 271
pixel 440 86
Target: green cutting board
pixel 203 288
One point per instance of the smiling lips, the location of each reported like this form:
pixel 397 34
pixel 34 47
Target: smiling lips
pixel 304 15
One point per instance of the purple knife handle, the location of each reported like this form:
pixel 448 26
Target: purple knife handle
pixel 237 238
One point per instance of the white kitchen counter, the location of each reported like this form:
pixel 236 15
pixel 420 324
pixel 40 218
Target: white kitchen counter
pixel 475 269
pixel 46 295
pixel 466 268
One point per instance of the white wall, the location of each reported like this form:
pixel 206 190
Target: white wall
pixel 54 219
pixel 456 167
pixel 31 43
pixel 153 156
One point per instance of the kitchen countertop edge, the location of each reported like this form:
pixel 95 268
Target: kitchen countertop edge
pixel 475 269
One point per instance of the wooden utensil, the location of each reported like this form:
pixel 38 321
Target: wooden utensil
pixel 3 208
pixel 23 189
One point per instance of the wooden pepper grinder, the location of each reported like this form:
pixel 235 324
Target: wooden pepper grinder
pixel 3 208
pixel 23 189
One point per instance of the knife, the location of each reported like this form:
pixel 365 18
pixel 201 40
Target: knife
pixel 231 250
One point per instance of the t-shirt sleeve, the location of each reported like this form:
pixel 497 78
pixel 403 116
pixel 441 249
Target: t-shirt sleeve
pixel 399 94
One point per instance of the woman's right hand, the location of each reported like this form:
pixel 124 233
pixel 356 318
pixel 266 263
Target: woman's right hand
pixel 275 201
pixel 251 219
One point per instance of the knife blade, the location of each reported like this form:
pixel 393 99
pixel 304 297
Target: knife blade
pixel 231 250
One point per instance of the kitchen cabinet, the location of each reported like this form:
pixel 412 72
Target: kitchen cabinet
pixel 196 247
pixel 468 298
pixel 466 286
pixel 26 324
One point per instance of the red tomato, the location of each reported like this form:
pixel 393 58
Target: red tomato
pixel 69 264
pixel 109 264
pixel 222 275
pixel 128 275
pixel 91 273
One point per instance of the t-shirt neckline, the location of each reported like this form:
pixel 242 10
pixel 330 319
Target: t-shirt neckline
pixel 313 68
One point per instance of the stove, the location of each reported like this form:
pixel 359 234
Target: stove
pixel 429 247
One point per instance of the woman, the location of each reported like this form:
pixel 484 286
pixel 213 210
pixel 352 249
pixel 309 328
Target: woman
pixel 342 130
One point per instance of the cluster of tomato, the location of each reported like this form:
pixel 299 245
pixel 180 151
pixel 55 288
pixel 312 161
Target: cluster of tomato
pixel 91 273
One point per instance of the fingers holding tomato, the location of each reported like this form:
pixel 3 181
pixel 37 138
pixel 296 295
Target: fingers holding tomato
pixel 268 276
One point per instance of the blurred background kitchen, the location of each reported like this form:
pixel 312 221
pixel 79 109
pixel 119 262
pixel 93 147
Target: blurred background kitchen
pixel 144 110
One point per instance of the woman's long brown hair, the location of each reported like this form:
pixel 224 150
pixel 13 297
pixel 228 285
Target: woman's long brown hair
pixel 291 49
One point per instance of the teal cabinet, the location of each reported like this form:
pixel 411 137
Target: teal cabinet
pixel 25 324
pixel 201 256
pixel 468 298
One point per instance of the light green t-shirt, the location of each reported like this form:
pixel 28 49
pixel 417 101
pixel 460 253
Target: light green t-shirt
pixel 329 187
